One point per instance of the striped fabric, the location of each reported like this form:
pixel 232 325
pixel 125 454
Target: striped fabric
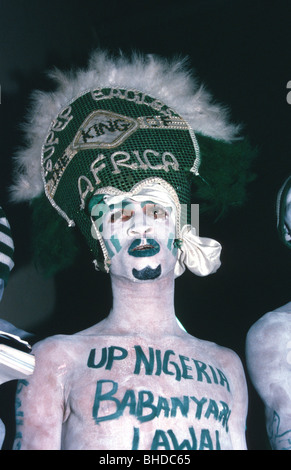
pixel 6 248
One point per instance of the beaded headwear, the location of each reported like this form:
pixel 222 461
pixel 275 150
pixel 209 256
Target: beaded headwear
pixel 122 123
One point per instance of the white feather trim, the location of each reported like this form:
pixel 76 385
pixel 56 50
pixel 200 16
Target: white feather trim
pixel 167 80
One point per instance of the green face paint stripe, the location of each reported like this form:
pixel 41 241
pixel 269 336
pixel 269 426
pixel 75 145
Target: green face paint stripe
pixel 171 240
pixel 98 216
pixel 115 242
pixel 94 201
pixel 109 250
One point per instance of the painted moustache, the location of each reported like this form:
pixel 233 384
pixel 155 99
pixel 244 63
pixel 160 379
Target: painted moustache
pixel 143 247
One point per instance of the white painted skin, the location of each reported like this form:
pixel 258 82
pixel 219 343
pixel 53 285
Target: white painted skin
pixel 268 353
pixel 65 406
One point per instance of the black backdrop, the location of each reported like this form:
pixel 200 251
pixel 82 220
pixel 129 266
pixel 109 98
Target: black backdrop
pixel 242 51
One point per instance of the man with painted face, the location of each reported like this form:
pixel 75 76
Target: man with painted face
pixel 139 237
pixel 119 161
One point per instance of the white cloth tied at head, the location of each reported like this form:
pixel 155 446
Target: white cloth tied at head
pixel 200 255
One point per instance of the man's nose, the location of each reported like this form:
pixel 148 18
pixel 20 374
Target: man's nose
pixel 140 225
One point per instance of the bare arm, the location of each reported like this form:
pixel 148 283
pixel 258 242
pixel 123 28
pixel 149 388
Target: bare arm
pixel 268 350
pixel 39 402
pixel 279 427
pixel 237 420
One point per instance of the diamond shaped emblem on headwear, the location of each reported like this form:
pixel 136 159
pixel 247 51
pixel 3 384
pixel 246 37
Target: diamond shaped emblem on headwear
pixel 104 129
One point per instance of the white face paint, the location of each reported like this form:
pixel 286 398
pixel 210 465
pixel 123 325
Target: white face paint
pixel 139 237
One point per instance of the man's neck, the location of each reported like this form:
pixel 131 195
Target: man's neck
pixel 143 308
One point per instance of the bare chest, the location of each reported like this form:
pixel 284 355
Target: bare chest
pixel 142 397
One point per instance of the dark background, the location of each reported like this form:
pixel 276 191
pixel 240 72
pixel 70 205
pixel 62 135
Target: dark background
pixel 241 50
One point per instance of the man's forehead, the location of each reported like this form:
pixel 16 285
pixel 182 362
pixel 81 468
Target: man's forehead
pixel 146 197
pixel 125 203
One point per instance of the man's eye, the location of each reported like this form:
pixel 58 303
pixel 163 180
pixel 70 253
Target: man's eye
pixel 157 212
pixel 123 215
pixel 126 215
pixel 115 216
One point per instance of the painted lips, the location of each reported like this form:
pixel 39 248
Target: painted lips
pixel 143 247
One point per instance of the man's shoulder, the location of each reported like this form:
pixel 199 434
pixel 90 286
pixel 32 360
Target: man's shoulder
pixel 69 346
pixel 223 359
pixel 212 352
pixel 53 342
pixel 269 327
pixel 54 348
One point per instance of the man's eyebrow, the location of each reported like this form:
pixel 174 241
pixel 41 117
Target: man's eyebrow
pixel 121 205
pixel 144 203
pixel 168 208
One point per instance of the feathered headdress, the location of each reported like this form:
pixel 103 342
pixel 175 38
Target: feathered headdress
pixel 117 123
